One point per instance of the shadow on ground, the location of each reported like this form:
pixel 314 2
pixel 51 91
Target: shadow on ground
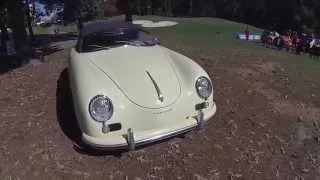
pixel 67 119
pixel 8 63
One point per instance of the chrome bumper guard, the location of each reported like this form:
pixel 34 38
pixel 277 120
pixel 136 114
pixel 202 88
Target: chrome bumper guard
pixel 130 140
pixel 199 119
pixel 200 116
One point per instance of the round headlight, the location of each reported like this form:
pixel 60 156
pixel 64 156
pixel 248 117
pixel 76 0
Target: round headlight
pixel 204 87
pixel 100 108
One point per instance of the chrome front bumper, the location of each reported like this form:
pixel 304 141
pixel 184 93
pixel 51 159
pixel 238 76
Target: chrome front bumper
pixel 131 143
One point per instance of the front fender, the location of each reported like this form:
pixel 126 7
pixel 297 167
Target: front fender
pixel 86 82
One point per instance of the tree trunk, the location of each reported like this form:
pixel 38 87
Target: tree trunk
pixel 170 8
pixel 29 21
pixel 152 6
pixel 4 37
pixel 202 12
pixel 139 7
pixel 3 28
pixel 190 7
pixel 128 10
pixel 164 7
pixel 16 22
pixel 80 23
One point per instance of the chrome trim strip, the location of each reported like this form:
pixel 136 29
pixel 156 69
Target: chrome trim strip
pixel 160 95
pixel 125 146
pixel 165 135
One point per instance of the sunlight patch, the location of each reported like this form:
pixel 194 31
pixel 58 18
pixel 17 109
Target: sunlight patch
pixel 150 24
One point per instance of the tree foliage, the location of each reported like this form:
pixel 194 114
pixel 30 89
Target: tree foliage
pixel 271 14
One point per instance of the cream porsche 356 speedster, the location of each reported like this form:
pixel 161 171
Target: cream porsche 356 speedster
pixel 128 90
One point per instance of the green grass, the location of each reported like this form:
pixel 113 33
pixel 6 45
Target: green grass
pixel 39 30
pixel 204 34
pixel 209 33
pixel 48 30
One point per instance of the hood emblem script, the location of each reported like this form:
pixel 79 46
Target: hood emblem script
pixel 160 96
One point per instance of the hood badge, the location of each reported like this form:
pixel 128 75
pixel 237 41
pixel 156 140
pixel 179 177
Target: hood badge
pixel 160 95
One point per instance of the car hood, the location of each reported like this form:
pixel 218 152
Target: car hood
pixel 144 74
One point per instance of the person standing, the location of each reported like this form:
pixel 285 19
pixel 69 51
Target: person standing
pixel 299 43
pixel 294 40
pixel 247 32
pixel 312 45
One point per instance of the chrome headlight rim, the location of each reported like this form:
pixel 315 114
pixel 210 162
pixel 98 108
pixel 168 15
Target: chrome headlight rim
pixel 210 90
pixel 110 112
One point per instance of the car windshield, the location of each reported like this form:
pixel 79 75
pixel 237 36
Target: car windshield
pixel 118 37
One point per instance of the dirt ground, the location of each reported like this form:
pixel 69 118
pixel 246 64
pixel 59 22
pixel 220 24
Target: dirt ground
pixel 261 130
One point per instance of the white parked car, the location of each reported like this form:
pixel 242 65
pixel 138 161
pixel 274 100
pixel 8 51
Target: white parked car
pixel 128 90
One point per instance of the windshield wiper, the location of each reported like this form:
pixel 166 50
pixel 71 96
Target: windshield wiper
pixel 98 47
pixel 133 43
